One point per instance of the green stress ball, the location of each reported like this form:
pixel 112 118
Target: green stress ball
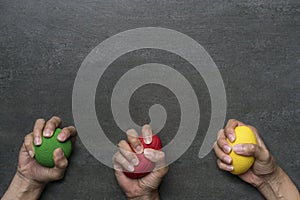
pixel 44 152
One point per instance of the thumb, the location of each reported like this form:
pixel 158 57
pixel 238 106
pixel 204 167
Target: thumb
pixel 249 149
pixel 158 157
pixel 61 163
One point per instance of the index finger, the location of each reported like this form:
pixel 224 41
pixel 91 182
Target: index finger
pixel 37 131
pixel 51 125
pixel 66 133
pixel 134 141
pixel 147 134
pixel 229 128
pixel 156 156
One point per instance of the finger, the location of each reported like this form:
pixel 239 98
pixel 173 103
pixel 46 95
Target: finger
pixel 59 158
pixel 248 149
pixel 66 133
pixel 264 154
pixel 229 129
pixel 258 138
pixel 37 131
pixel 28 143
pixel 133 139
pixel 51 125
pixel 224 166
pixel 222 142
pixel 126 151
pixel 147 134
pixel 119 159
pixel 156 156
pixel 156 176
pixel 117 167
pixel 221 155
pixel 61 163
pixel 161 172
pixel 123 180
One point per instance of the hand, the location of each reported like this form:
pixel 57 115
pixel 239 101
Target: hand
pixel 125 159
pixel 264 163
pixel 31 177
pixel 28 166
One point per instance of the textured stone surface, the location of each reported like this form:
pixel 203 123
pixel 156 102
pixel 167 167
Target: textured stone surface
pixel 255 44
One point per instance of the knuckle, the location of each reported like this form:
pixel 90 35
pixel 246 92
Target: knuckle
pixel 129 155
pixel 162 155
pixel 66 130
pixel 50 124
pixel 122 143
pixel 146 126
pixel 131 132
pixel 227 129
pixel 57 175
pixel 72 128
pixel 26 137
pixel 232 120
pixel 219 163
pixel 56 118
pixel 36 129
pixel 252 148
pixel 114 158
pixel 53 174
pixel 40 120
pixel 36 133
pixel 64 163
pixel 27 141
pixel 123 162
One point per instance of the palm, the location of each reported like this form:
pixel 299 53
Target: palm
pixel 30 168
pixel 143 186
pixel 249 176
pixel 261 166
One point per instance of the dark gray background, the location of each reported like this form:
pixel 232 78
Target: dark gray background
pixel 255 44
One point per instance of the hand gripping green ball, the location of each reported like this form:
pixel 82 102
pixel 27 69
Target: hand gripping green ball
pixel 44 152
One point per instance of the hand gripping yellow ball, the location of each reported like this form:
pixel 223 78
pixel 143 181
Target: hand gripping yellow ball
pixel 241 164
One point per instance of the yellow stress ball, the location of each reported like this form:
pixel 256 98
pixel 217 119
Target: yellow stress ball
pixel 241 164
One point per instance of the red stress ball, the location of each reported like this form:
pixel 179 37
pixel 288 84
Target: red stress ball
pixel 145 166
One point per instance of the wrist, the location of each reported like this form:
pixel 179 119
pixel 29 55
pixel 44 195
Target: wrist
pixel 276 184
pixel 267 175
pixel 154 195
pixel 23 188
pixel 270 178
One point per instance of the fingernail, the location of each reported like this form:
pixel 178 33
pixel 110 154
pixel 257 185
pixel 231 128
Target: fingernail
pixel 227 159
pixel 31 154
pixel 60 153
pixel 130 168
pixel 148 153
pixel 230 168
pixel 47 132
pixel 148 140
pixel 227 148
pixel 238 148
pixel 117 167
pixel 139 149
pixel 61 136
pixel 37 140
pixel 135 162
pixel 231 138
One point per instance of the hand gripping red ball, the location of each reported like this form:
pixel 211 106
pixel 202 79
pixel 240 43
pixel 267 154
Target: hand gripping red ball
pixel 145 166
